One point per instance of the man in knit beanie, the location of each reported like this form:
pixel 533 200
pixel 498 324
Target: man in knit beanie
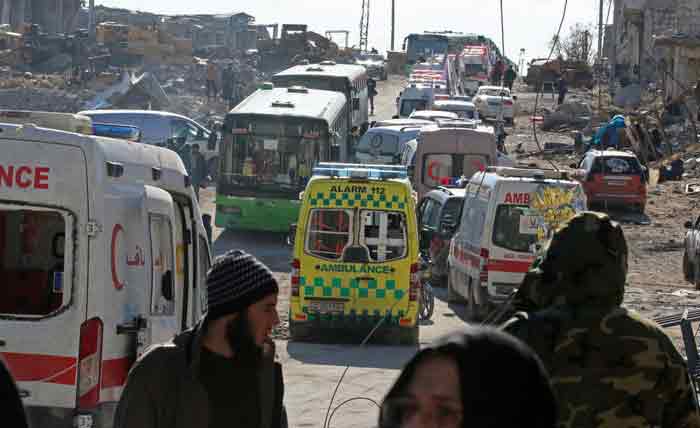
pixel 222 373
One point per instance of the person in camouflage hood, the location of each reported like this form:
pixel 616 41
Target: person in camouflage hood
pixel 609 367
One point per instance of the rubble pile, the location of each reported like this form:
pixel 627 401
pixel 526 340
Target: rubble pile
pixel 44 99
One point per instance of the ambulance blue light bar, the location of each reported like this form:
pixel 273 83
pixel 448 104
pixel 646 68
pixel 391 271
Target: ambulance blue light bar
pixel 360 171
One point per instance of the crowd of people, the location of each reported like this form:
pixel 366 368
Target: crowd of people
pixel 567 354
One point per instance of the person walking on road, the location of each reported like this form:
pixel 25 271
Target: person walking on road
pixel 212 75
pixel 563 87
pixel 222 373
pixel 609 367
pixel 371 93
pixel 509 77
pixel 198 168
pixel 459 382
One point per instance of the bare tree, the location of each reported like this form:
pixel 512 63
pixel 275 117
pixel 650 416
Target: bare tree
pixel 576 45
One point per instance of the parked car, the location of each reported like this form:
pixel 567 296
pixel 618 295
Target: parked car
pixel 159 126
pixel 463 109
pixel 613 178
pixel 691 253
pixel 433 115
pixel 489 100
pixel 439 215
pixel 384 145
pixel 375 65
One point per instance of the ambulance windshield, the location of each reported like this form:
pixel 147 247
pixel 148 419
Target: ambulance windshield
pixel 32 248
pixel 512 230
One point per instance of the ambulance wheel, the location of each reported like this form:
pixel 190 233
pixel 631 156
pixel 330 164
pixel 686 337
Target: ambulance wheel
pixel 473 308
pixel 299 332
pixel 402 336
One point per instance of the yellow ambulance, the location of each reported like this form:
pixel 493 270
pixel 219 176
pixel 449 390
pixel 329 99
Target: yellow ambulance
pixel 356 254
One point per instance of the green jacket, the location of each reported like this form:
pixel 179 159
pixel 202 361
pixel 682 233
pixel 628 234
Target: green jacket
pixel 163 388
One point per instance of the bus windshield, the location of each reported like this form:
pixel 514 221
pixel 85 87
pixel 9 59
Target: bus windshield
pixel 425 46
pixel 270 163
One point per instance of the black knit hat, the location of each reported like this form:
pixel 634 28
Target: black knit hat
pixel 236 281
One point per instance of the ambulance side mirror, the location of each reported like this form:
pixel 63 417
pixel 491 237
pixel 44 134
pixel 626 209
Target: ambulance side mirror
pixel 166 286
pixel 206 220
pixel 291 237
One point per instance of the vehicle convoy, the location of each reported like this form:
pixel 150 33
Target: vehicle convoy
pixel 103 252
pixel 375 65
pixel 384 145
pixel 448 151
pixel 272 141
pixel 613 178
pixel 439 214
pixel 158 127
pixel 348 79
pixel 356 254
pixel 492 101
pixel 508 214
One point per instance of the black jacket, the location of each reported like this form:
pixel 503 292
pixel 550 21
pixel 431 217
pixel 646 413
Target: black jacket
pixel 163 389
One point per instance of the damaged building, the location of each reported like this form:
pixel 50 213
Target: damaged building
pixel 53 16
pixel 636 23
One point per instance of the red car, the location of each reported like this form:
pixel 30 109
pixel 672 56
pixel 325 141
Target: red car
pixel 613 178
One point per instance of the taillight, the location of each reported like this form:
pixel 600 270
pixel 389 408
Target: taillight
pixel 484 272
pixel 296 267
pixel 90 363
pixel 484 253
pixel 414 285
pixel 507 103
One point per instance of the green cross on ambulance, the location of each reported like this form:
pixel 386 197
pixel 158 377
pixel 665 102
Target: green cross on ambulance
pixel 356 253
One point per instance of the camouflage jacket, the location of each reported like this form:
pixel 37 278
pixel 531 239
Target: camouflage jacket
pixel 609 368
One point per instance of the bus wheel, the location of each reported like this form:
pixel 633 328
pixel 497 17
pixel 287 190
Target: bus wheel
pixel 473 308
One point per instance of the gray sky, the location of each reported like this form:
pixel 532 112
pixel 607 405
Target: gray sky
pixel 529 24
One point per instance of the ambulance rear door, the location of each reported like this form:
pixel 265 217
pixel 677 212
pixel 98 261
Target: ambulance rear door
pixel 44 254
pixel 165 299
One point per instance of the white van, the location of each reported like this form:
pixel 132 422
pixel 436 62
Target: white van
pixel 159 126
pixel 103 252
pixel 508 214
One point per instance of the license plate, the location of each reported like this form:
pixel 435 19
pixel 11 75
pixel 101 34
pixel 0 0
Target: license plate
pixel 327 307
pixel 616 183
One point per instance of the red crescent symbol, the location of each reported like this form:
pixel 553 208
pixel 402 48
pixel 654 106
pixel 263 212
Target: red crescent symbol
pixel 115 279
pixel 430 170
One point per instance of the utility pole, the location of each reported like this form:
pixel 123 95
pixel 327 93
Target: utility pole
pixel 364 27
pixel 613 54
pixel 91 21
pixel 393 23
pixel 600 32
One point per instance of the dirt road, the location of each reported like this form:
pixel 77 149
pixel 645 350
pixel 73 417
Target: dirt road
pixel 312 370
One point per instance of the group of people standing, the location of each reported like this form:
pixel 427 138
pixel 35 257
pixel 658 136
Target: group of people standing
pixel 231 87
pixel 501 73
pixel 568 355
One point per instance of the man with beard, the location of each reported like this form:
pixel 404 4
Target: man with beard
pixel 222 373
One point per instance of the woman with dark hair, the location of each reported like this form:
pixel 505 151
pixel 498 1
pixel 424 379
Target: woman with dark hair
pixel 11 406
pixel 481 378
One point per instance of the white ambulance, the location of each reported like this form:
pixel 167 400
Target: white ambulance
pixel 103 251
pixel 507 216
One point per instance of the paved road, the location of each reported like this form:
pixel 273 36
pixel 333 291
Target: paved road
pixel 312 370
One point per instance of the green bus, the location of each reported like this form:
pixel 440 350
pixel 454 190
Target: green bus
pixel 271 143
